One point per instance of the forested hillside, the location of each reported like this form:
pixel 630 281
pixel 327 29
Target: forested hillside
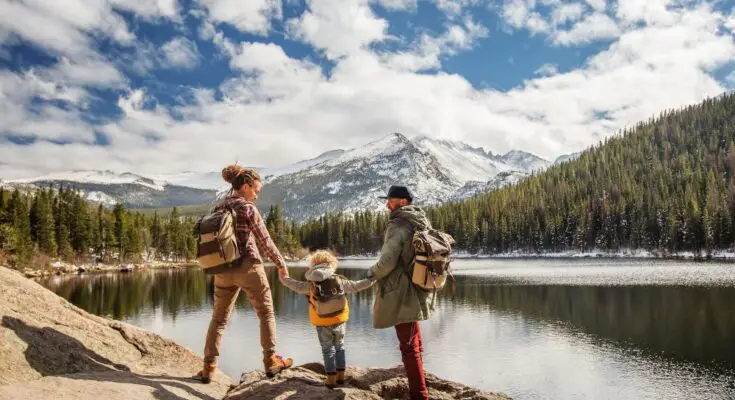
pixel 60 223
pixel 664 185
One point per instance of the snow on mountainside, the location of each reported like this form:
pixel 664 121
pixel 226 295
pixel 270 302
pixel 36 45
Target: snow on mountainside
pixel 96 177
pixel 109 188
pixel 474 188
pixel 435 170
pixel 567 157
pixel 526 162
pixel 339 180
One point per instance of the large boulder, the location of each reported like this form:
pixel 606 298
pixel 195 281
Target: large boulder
pixel 50 349
pixel 306 382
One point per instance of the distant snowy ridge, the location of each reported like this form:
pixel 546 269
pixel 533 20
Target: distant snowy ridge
pixel 338 180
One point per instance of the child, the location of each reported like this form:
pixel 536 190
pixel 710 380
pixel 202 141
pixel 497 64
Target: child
pixel 328 308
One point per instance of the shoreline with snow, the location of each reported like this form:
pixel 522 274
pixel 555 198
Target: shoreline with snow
pixel 62 268
pixel 720 255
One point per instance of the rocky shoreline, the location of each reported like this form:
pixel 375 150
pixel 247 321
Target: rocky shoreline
pixel 63 268
pixel 51 349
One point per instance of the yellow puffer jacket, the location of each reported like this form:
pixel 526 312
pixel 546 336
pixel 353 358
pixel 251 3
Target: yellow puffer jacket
pixel 316 320
pixel 319 273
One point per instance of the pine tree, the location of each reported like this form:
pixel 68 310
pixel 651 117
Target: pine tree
pixel 22 243
pixel 119 232
pixel 3 207
pixel 79 225
pixel 61 219
pixel 45 229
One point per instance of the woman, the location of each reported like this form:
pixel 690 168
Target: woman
pixel 249 276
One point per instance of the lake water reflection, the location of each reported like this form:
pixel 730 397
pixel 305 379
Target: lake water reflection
pixel 533 329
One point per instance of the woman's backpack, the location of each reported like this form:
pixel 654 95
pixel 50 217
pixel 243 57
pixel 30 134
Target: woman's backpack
pixel 217 247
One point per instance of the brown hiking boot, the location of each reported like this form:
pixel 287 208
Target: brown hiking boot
pixel 340 377
pixel 331 381
pixel 275 364
pixel 206 374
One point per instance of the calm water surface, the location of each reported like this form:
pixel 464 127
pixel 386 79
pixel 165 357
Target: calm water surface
pixel 533 329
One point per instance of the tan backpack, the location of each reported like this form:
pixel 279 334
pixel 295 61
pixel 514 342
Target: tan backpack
pixel 430 267
pixel 217 248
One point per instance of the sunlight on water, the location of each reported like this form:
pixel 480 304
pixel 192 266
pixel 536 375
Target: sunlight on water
pixel 529 328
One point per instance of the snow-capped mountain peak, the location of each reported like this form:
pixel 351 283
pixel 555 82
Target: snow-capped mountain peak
pixel 338 180
pixel 525 161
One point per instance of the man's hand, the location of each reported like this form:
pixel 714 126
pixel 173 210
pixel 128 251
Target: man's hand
pixel 283 272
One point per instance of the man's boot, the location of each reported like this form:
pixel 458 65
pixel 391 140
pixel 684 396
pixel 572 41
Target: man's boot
pixel 275 364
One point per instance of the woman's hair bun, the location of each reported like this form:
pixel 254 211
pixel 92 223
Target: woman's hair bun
pixel 230 172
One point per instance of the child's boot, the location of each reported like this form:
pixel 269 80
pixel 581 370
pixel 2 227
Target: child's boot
pixel 340 377
pixel 331 381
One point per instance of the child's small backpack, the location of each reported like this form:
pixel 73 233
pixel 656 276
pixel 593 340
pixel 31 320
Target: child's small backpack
pixel 329 296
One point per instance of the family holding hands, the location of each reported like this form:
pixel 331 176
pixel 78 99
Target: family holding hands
pixel 398 302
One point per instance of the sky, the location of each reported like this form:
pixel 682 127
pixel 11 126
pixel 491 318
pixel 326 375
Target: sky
pixel 164 86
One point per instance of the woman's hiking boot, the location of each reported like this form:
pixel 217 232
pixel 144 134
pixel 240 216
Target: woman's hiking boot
pixel 275 364
pixel 331 381
pixel 340 377
pixel 206 374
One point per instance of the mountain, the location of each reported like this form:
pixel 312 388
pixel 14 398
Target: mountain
pixel 526 162
pixel 566 157
pixel 436 171
pixel 474 188
pixel 337 180
pixel 108 188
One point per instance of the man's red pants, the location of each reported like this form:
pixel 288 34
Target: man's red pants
pixel 409 339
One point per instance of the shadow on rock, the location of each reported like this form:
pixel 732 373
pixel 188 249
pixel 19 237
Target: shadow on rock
pixel 53 353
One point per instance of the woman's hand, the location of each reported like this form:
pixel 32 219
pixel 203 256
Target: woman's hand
pixel 283 272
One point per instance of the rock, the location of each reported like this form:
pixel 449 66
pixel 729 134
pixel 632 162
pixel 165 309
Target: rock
pixel 306 382
pixel 51 349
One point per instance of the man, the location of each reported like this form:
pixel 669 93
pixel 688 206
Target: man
pixel 398 303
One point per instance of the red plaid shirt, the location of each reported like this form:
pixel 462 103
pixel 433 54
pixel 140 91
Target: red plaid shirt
pixel 247 221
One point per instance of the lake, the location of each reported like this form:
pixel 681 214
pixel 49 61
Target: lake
pixel 552 329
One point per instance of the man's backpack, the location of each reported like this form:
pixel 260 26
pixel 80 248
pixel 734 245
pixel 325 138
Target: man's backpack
pixel 329 296
pixel 217 247
pixel 430 267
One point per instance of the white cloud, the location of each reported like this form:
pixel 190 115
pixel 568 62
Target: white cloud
pixel 252 16
pixel 454 8
pixel 339 27
pixel 547 70
pixel 426 54
pixel 593 27
pixel 649 11
pixel 519 14
pixel 279 109
pixel 568 12
pixel 730 23
pixel 180 52
pixel 149 8
pixel 394 5
pixel 598 5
